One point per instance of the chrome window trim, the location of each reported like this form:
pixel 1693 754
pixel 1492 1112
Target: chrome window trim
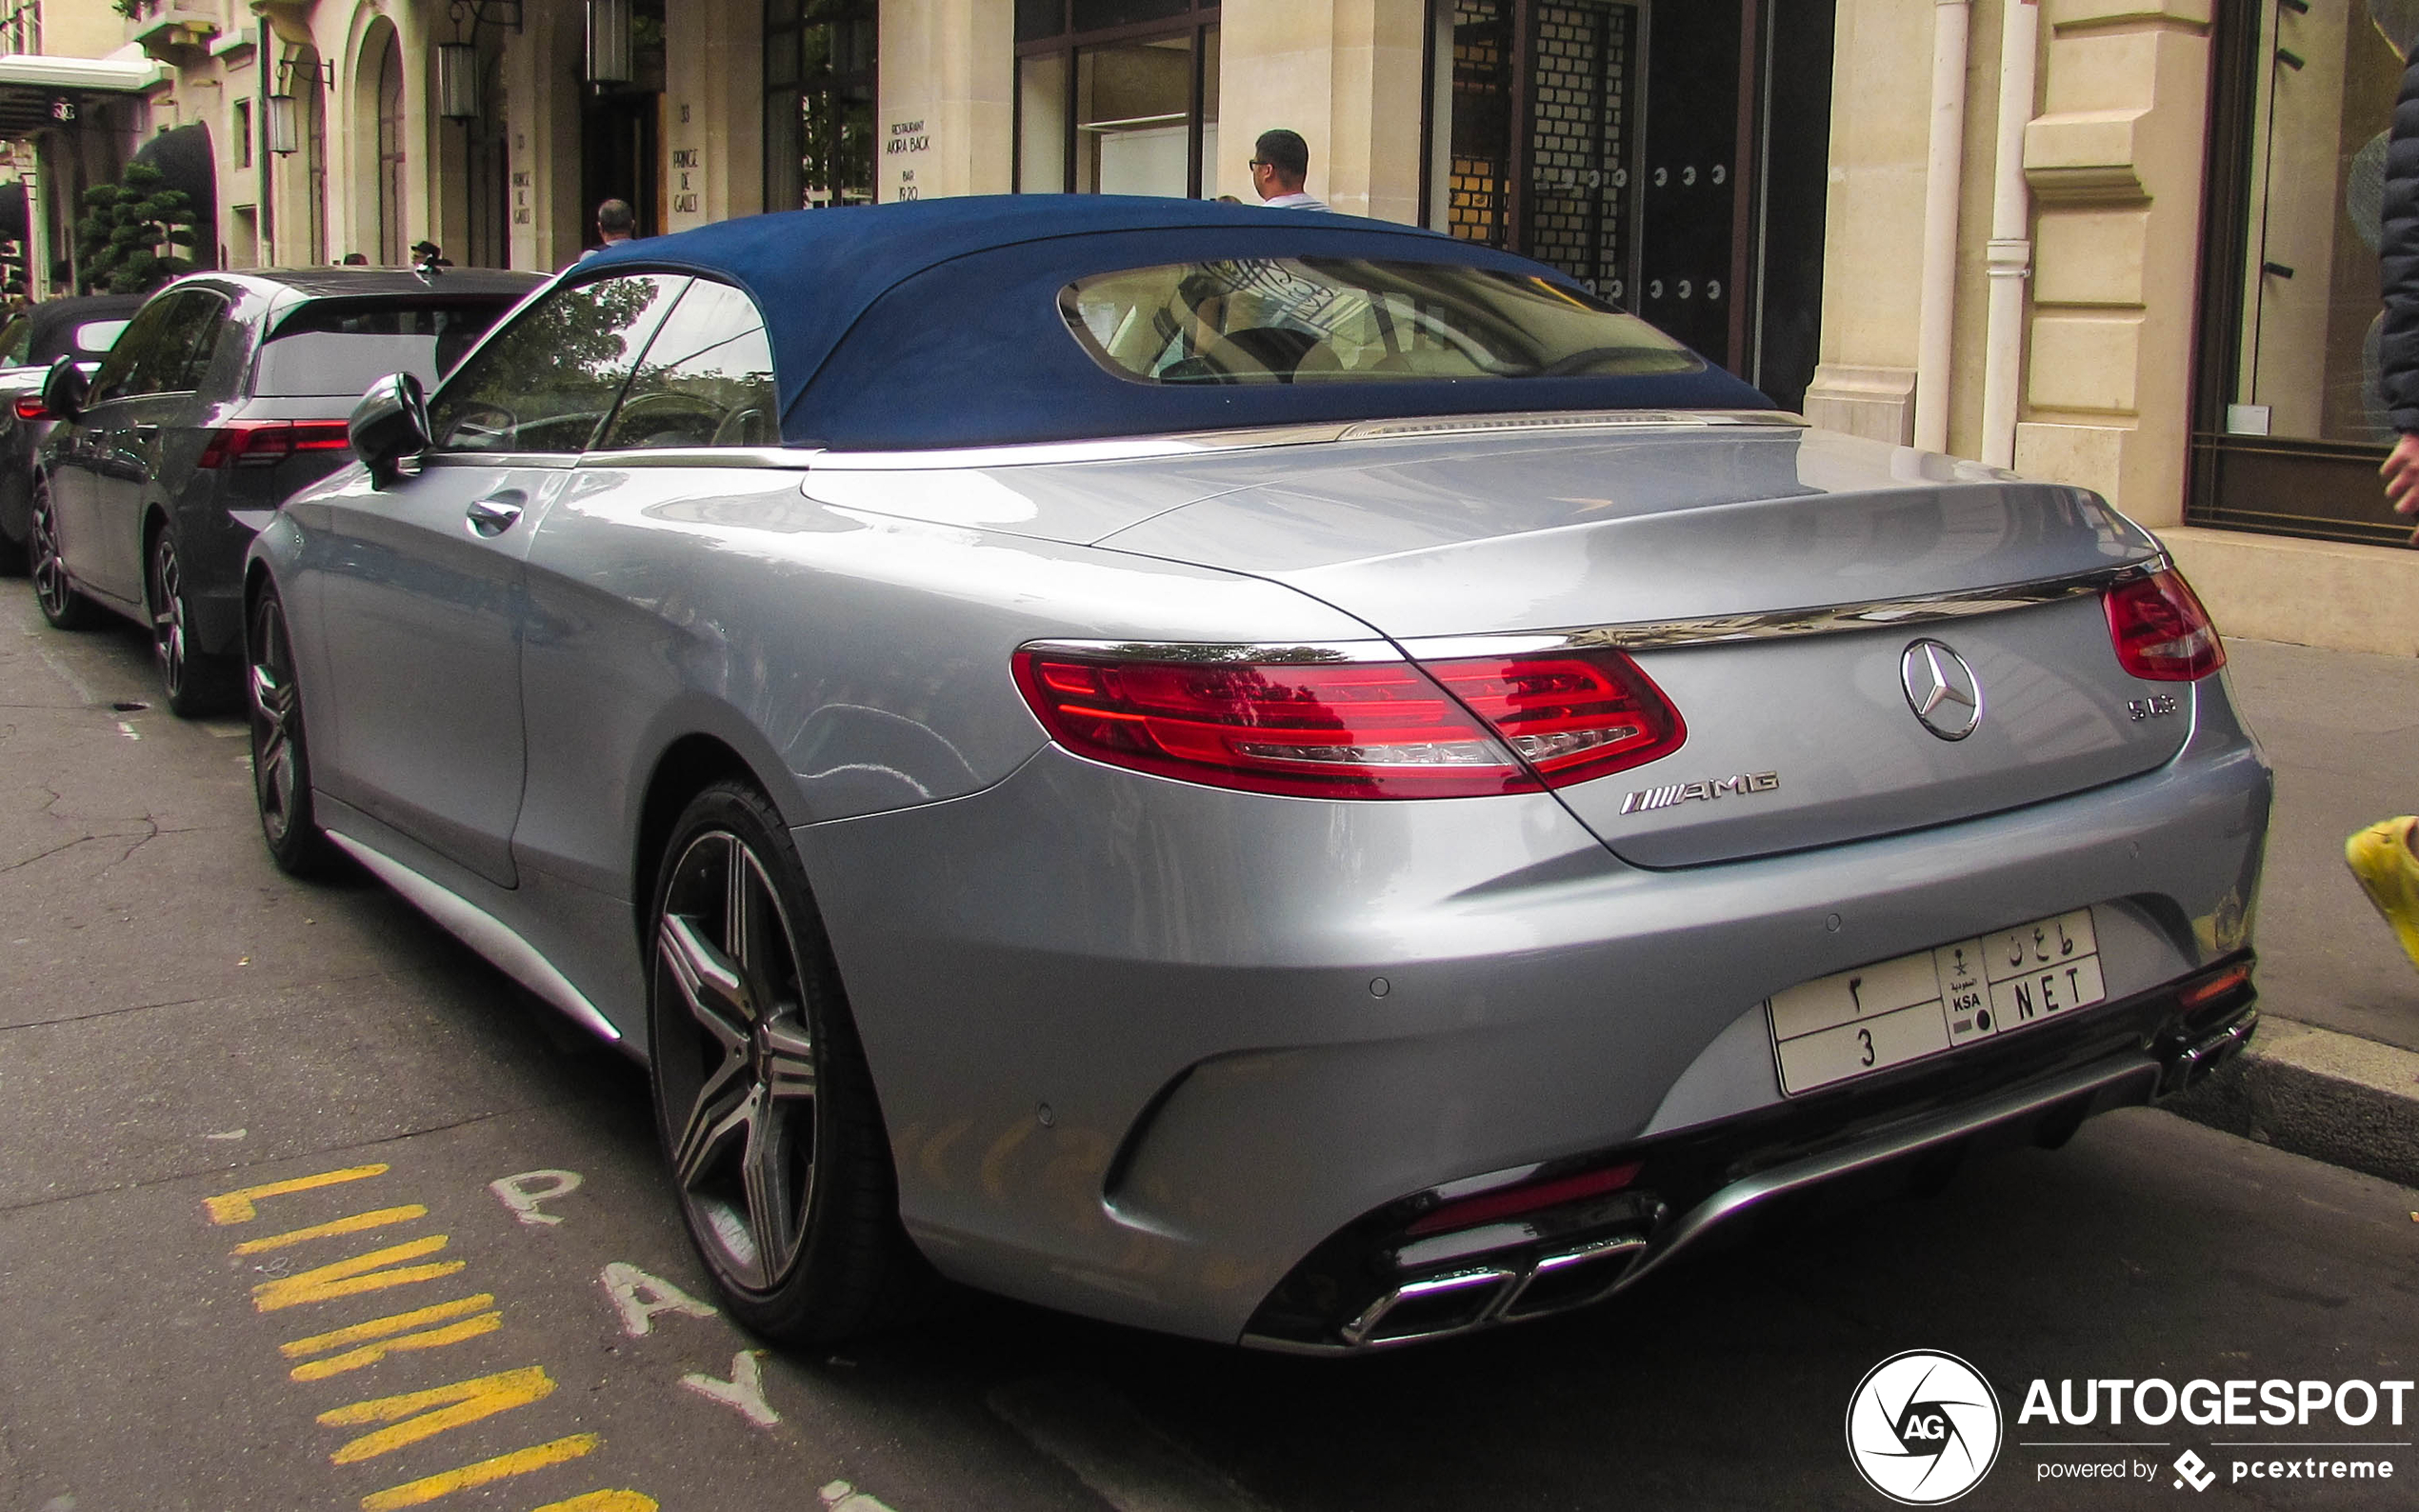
pixel 498 459
pixel 791 458
pixel 1571 420
pixel 1188 442
pixel 1779 625
pixel 1214 652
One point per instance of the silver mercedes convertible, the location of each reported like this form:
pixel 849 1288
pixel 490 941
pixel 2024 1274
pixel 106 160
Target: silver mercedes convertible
pixel 1271 777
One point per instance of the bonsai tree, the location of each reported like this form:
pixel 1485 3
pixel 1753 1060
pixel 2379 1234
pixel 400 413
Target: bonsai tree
pixel 119 242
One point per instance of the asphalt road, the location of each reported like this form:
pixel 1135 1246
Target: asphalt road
pixel 253 1255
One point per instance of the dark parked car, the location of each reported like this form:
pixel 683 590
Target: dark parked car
pixel 30 343
pixel 228 393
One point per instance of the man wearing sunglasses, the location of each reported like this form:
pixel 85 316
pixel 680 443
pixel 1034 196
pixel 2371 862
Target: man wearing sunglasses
pixel 1280 162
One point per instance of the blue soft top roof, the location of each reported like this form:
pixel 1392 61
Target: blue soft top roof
pixel 936 323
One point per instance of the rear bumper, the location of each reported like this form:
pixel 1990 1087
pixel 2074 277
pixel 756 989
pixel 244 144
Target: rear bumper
pixel 1377 1284
pixel 1144 1046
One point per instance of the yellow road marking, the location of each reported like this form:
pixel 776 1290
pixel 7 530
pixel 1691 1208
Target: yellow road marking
pixel 236 1206
pixel 520 1462
pixel 486 1323
pixel 425 1413
pixel 381 1327
pixel 604 1501
pixel 346 1277
pixel 355 1224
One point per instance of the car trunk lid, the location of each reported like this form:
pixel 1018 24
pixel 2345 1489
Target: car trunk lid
pixel 1782 587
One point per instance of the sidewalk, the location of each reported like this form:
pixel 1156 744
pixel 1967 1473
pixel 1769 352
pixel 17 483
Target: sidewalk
pixel 2335 1069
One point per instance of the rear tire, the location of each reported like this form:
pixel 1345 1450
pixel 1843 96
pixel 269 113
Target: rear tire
pixel 281 755
pixel 66 608
pixel 196 684
pixel 766 1108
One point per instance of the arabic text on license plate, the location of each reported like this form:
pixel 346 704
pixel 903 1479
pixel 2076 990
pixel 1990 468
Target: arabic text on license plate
pixel 1855 1023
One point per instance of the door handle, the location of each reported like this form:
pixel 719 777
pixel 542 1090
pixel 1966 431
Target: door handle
pixel 495 514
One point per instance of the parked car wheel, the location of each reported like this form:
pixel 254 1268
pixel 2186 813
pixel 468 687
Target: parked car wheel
pixel 281 754
pixel 61 604
pixel 762 1096
pixel 196 684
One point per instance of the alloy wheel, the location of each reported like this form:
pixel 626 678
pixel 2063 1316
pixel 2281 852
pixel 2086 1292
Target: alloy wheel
pixel 49 575
pixel 275 713
pixel 735 1060
pixel 168 615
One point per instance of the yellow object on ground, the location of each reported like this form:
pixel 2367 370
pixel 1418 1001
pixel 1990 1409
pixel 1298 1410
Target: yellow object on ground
pixel 2380 857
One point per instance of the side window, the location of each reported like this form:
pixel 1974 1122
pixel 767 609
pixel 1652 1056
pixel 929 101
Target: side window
pixel 177 357
pixel 707 380
pixel 132 349
pixel 547 381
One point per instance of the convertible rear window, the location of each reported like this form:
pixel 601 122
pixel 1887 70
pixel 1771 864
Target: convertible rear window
pixel 1346 320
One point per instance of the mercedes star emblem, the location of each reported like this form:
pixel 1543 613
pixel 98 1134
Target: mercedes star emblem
pixel 1941 689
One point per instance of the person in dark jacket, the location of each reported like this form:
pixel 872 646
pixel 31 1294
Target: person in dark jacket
pixel 2385 856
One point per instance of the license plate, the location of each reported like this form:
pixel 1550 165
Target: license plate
pixel 1855 1023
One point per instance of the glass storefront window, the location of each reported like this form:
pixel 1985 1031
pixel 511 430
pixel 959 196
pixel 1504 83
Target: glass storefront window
pixel 2290 424
pixel 819 81
pixel 1119 113
pixel 2309 361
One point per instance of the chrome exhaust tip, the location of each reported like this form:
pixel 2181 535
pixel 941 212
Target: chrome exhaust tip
pixel 1430 1307
pixel 1573 1278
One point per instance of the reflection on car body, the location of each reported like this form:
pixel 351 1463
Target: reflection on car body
pixel 226 393
pixel 1060 800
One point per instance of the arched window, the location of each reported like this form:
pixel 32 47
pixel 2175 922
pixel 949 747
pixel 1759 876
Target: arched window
pixel 391 237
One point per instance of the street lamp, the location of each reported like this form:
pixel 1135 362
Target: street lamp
pixel 285 124
pixel 458 80
pixel 608 41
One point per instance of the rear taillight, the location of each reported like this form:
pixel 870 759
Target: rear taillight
pixel 266 443
pixel 29 407
pixel 1355 730
pixel 2162 633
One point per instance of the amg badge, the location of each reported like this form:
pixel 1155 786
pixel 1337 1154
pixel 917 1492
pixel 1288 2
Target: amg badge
pixel 1739 787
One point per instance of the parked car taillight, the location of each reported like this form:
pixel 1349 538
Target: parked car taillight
pixel 2161 631
pixel 29 407
pixel 1355 730
pixel 266 443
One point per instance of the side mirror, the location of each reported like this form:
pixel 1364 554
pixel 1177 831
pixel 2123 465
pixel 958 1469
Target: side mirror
pixel 389 424
pixel 64 390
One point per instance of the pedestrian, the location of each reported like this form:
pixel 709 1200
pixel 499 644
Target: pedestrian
pixel 2385 856
pixel 1280 163
pixel 426 255
pixel 353 260
pixel 615 222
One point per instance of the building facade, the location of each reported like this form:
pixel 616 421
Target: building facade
pixel 2125 244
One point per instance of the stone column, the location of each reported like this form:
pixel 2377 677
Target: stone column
pixel 1873 222
pixel 1345 74
pixel 713 113
pixel 2116 163
pixel 944 119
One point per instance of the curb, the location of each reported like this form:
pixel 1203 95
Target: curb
pixel 2333 1096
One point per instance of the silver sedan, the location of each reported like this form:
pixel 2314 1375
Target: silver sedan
pixel 1275 778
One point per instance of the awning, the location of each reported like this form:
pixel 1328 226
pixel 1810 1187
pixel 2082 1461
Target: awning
pixel 38 90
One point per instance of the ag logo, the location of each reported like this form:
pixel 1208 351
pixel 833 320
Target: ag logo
pixel 1923 1428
